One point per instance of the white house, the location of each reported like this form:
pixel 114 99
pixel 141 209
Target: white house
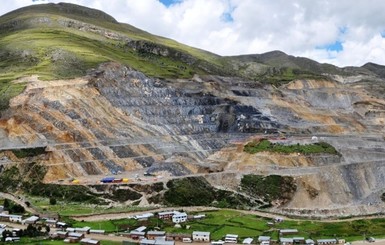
pixel 30 220
pixel 248 240
pixel 201 236
pixel 15 218
pixel 231 238
pixel 179 217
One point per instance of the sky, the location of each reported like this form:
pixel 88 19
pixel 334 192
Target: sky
pixel 339 32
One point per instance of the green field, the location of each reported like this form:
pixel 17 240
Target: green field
pixel 37 241
pixel 220 223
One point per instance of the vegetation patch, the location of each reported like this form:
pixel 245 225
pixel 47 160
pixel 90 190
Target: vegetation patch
pixel 269 188
pixel 196 191
pixel 307 149
pixel 29 152
pixel 223 222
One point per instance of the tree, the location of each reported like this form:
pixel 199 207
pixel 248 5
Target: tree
pixel 6 204
pixel 52 201
pixel 47 229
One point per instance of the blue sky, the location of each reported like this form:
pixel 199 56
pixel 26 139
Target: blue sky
pixel 342 32
pixel 168 2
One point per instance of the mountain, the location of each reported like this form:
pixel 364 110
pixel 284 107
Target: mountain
pixel 84 97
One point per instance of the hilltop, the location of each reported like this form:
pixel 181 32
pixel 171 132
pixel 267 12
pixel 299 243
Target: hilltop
pixel 84 97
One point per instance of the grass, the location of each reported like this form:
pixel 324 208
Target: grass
pixel 307 149
pixel 39 241
pixel 78 209
pixel 222 222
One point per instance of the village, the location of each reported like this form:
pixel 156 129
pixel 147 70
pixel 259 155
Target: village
pixel 12 230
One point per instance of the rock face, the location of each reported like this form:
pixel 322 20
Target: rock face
pixel 117 119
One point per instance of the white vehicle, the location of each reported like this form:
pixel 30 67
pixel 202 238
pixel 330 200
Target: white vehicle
pixel 12 239
pixel 186 239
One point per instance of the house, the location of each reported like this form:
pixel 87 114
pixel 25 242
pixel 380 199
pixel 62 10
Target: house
pixel 156 242
pixel 201 236
pixel 141 229
pixel 179 218
pixel 30 220
pixel 220 242
pixel 97 232
pixel 136 235
pixel 286 241
pixel 70 229
pixel 231 238
pixel 177 237
pixel 248 240
pixel 89 241
pixel 84 230
pixel 152 235
pixel 51 222
pixel 145 216
pixel 61 234
pixel 326 241
pixel 309 242
pixel 199 216
pixel 71 239
pixel 15 218
pixel 288 232
pixel 167 214
pixel 61 225
pixel 147 242
pixel 76 235
pixel 299 240
pixel 264 240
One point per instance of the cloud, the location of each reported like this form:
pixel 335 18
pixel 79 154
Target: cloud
pixel 232 27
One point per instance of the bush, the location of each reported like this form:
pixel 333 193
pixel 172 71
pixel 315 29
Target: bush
pixel 52 201
pixel 266 145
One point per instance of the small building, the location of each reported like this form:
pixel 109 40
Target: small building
pixel 156 242
pixel 264 240
pixel 231 238
pixel 71 239
pixel 299 240
pixel 97 232
pixel 141 228
pixel 248 240
pixel 286 241
pixel 309 242
pixel 201 236
pixel 326 241
pixel 147 242
pixel 219 242
pixel 61 234
pixel 30 220
pixel 15 218
pixel 76 235
pixel 89 241
pixel 136 235
pixel 61 225
pixel 199 216
pixel 167 214
pixel 152 235
pixel 179 218
pixel 145 216
pixel 285 232
pixel 177 237
pixel 70 229
pixel 50 222
pixel 84 230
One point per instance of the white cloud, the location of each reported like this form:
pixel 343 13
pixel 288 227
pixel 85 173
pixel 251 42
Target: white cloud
pixel 300 27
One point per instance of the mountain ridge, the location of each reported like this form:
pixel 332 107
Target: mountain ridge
pixel 92 97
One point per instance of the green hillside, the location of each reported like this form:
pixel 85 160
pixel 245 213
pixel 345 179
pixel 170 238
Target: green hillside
pixel 65 40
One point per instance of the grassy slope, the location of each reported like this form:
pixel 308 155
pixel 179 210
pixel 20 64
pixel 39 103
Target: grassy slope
pixel 34 40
